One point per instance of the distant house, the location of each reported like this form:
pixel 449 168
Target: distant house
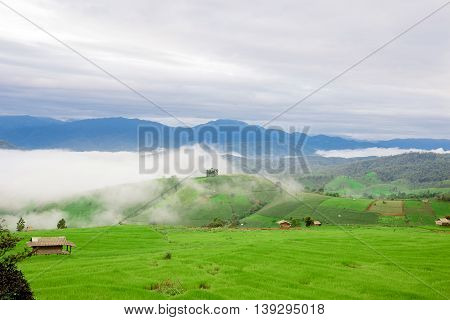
pixel 443 222
pixel 50 245
pixel 212 172
pixel 317 223
pixel 284 224
pixel 28 228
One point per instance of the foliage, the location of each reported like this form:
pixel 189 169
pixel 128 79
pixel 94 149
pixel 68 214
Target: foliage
pixel 216 223
pixel 61 224
pixel 13 285
pixel 20 224
pixel 308 221
pixel 295 222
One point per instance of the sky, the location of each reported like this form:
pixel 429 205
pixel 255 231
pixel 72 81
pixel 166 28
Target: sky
pixel 244 60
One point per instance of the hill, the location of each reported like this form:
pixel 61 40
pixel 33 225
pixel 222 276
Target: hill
pixel 120 134
pixel 405 174
pixel 250 200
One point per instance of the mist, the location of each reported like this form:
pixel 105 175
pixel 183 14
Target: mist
pixel 30 179
pixel 373 152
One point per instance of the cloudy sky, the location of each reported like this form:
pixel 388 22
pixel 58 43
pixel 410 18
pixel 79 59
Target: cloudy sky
pixel 246 60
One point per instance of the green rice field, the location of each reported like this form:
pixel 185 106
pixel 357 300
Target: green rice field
pixel 150 262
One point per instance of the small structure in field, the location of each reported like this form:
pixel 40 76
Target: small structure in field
pixel 317 223
pixel 284 224
pixel 28 228
pixel 212 172
pixel 443 222
pixel 50 245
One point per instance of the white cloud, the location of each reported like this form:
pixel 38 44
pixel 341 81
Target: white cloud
pixel 245 60
pixel 372 152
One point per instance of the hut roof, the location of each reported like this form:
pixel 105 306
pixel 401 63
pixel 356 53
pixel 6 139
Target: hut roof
pixel 317 222
pixel 283 221
pixel 49 241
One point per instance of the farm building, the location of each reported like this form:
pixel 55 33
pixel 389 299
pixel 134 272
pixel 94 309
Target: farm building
pixel 443 222
pixel 50 245
pixel 317 223
pixel 284 224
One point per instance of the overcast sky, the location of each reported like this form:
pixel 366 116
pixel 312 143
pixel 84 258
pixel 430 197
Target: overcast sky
pixel 245 60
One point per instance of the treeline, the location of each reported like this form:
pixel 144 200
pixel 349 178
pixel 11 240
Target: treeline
pixel 413 167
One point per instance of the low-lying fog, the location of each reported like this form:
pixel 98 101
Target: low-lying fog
pixel 42 176
pixel 373 152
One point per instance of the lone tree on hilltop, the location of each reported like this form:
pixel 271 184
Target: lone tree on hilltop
pixel 61 224
pixel 13 285
pixel 20 224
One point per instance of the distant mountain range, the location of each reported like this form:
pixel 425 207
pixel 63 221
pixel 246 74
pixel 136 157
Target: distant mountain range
pixel 121 134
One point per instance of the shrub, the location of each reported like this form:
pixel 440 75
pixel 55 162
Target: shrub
pixel 168 287
pixel 295 222
pixel 167 256
pixel 216 223
pixel 204 285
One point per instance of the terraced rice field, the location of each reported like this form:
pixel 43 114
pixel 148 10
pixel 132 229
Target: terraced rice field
pixel 132 262
pixel 387 208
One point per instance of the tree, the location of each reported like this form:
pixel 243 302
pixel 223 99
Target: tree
pixel 308 221
pixel 61 224
pixel 295 222
pixel 234 221
pixel 13 285
pixel 20 224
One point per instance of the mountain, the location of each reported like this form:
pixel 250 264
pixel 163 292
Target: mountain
pixel 6 145
pixel 120 134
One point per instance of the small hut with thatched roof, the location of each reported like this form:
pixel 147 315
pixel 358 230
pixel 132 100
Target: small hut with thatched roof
pixel 444 222
pixel 50 245
pixel 284 224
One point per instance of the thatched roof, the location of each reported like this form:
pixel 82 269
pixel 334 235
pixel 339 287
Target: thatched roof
pixel 49 241
pixel 443 222
pixel 283 221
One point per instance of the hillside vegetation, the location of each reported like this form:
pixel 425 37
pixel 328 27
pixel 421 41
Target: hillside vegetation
pixel 249 201
pixel 403 175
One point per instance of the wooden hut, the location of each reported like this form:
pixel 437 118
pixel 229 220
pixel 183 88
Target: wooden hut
pixel 50 245
pixel 443 222
pixel 317 223
pixel 284 224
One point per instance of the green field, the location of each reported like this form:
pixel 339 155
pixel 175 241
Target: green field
pixel 131 262
pixel 387 208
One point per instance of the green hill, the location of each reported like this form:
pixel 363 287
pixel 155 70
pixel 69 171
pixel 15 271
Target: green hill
pixel 250 200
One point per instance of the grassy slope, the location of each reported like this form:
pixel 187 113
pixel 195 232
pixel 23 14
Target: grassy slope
pixel 125 262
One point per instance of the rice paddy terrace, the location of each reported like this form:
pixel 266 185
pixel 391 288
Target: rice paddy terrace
pixel 330 262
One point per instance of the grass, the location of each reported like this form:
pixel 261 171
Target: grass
pixel 127 262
